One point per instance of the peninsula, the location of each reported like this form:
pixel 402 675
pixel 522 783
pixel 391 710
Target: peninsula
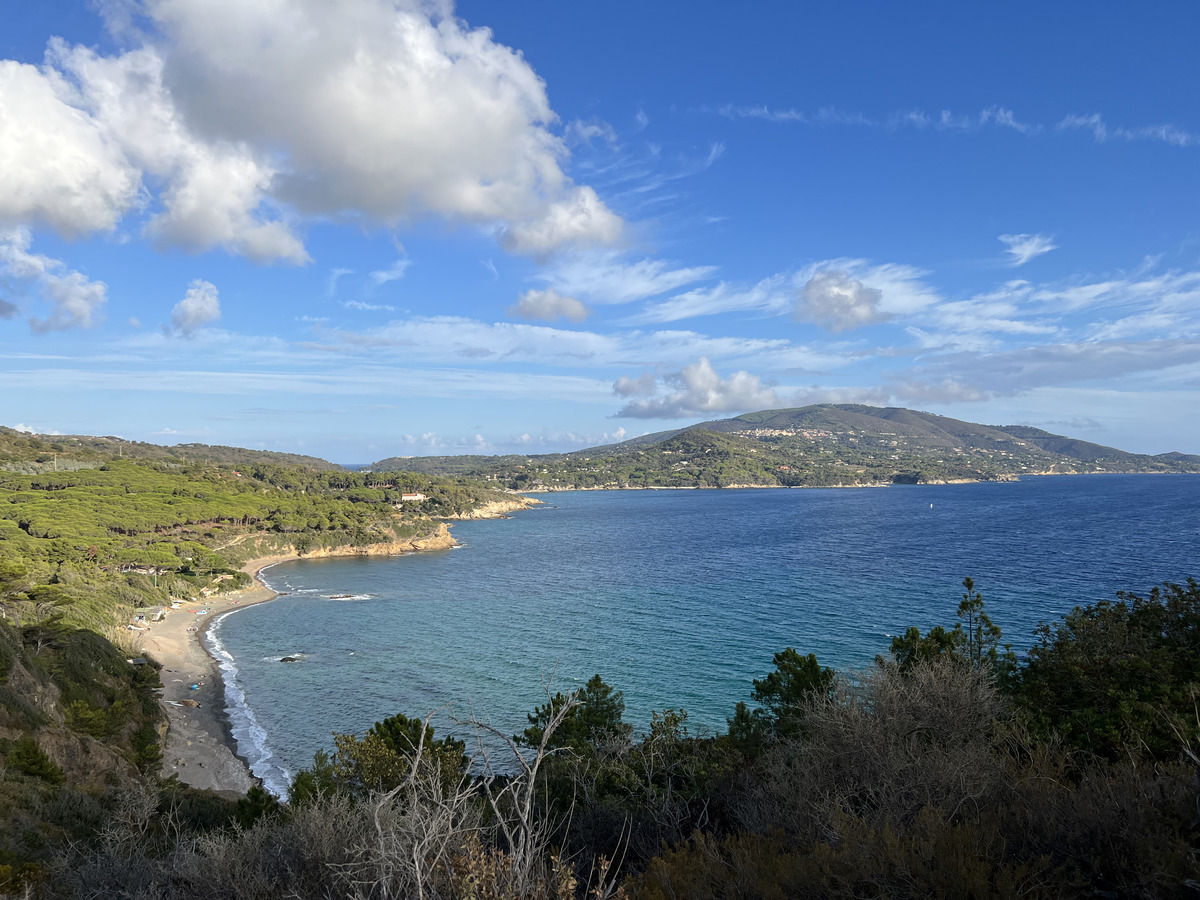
pixel 828 445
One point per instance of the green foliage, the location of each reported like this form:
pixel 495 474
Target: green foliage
pixel 314 783
pixel 593 723
pixel 380 760
pixel 974 640
pixel 1120 678
pixel 783 692
pixel 257 804
pixel 26 757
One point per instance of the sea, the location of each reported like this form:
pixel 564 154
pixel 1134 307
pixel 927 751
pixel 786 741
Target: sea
pixel 677 598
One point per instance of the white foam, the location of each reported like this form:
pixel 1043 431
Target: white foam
pixel 248 734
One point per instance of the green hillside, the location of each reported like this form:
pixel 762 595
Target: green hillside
pixel 34 453
pixel 814 446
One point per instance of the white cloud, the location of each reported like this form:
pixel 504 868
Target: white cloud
pixel 1021 248
pixel 335 275
pixel 580 219
pixel 75 301
pixel 697 389
pixel 214 192
pixel 200 306
pixel 360 306
pixel 581 132
pixel 824 116
pixel 1102 132
pixel 547 306
pixel 642 386
pixel 606 278
pixel 252 116
pixel 837 302
pixel 394 272
pixel 901 288
pixel 945 120
pixel 58 165
pixel 772 294
pixel 979 376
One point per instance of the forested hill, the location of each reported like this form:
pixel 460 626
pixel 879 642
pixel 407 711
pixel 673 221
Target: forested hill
pixel 814 446
pixel 34 453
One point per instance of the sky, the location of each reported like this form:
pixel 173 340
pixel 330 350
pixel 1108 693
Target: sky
pixel 382 228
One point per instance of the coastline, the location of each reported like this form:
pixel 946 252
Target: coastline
pixel 199 747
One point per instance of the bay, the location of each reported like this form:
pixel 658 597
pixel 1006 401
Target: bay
pixel 677 598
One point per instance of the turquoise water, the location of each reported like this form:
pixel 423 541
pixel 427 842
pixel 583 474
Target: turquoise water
pixel 678 598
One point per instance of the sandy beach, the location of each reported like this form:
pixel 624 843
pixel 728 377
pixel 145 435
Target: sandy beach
pixel 198 747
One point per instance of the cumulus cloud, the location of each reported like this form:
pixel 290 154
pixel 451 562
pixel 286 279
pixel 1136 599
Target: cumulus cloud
pixel 200 306
pixel 697 389
pixel 579 219
pixel 837 302
pixel 1021 248
pixel 253 116
pixel 58 165
pixel 8 310
pixel 75 301
pixel 547 306
pixel 644 385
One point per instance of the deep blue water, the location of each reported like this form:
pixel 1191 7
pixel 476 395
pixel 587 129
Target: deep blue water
pixel 678 598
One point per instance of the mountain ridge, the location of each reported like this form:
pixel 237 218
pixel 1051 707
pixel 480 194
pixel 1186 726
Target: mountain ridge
pixel 819 445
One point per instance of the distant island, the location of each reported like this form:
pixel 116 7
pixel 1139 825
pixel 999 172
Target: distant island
pixel 827 445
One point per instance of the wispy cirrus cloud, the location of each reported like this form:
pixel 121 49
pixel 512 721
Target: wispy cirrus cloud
pixel 1021 248
pixel 394 272
pixel 609 278
pixel 952 121
pixel 1102 132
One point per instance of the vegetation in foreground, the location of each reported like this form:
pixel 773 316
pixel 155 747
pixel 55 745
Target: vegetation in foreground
pixel 948 769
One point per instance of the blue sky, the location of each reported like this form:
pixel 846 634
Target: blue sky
pixel 396 228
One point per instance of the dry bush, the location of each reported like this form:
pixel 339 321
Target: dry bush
pixel 883 748
pixel 426 838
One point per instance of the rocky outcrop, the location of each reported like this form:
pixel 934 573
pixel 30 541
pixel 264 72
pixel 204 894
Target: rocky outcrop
pixel 441 539
pixel 499 509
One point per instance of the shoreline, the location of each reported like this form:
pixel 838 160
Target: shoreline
pixel 199 747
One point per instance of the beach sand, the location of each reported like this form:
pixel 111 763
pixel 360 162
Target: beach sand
pixel 199 748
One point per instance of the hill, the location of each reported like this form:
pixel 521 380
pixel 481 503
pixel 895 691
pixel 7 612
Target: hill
pixel 825 445
pixel 33 454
